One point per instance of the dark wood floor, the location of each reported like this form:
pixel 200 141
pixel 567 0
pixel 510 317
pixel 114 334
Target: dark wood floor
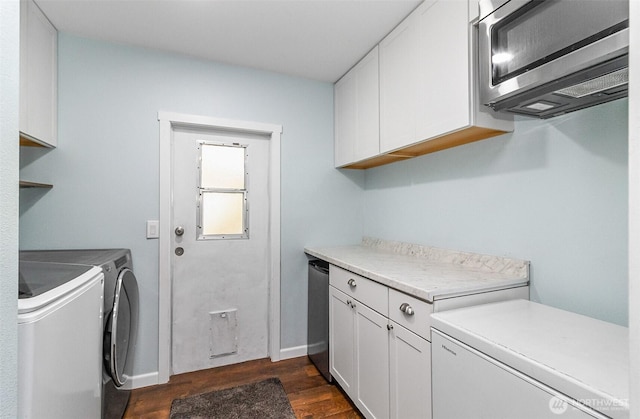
pixel 310 395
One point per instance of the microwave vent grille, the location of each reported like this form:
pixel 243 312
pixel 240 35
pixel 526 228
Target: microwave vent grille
pixel 598 84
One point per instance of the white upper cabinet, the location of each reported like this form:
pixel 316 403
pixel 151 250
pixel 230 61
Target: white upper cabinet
pixel 427 81
pixel 357 112
pixel 443 84
pixel 398 80
pixel 38 76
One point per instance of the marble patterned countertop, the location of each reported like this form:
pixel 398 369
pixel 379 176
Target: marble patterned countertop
pixel 427 273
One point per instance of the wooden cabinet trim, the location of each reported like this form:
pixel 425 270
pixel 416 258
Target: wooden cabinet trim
pixel 454 139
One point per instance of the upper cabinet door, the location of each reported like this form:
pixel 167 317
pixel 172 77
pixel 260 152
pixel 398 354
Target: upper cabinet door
pixel 345 108
pixel 443 87
pixel 368 107
pixel 38 75
pixel 357 112
pixel 398 82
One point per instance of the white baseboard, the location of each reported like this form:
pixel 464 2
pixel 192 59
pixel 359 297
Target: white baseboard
pixel 294 352
pixel 141 380
pixel 151 378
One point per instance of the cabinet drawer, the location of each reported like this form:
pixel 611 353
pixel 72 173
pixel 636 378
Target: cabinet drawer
pixel 366 291
pixel 419 322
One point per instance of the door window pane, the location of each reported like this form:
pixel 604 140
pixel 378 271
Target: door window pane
pixel 222 191
pixel 222 167
pixel 222 213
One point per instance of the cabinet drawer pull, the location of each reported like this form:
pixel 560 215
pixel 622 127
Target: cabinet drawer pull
pixel 407 309
pixel 351 304
pixel 389 327
pixel 352 283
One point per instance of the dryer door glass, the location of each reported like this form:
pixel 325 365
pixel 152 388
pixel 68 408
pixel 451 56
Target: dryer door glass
pixel 122 325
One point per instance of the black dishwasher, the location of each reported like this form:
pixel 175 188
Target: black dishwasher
pixel 318 316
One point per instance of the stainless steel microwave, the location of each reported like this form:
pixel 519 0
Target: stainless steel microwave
pixel 544 58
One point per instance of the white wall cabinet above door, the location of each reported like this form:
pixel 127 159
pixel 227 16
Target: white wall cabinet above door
pixel 357 112
pixel 38 76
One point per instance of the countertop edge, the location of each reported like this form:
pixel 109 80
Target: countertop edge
pixel 428 296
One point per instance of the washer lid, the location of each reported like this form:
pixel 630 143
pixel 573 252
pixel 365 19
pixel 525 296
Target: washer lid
pixel 41 283
pixel 94 257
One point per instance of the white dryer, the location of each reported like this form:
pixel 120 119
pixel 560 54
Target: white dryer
pixel 59 340
pixel 120 317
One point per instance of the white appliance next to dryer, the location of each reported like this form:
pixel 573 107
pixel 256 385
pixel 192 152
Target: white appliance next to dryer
pixel 520 359
pixel 59 340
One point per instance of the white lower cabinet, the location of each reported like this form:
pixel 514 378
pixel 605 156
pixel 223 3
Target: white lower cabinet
pixel 379 343
pixel 372 362
pixel 342 347
pixel 382 366
pixel 359 354
pixel 409 374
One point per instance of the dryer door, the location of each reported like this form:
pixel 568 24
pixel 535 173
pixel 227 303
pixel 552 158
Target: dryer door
pixel 121 327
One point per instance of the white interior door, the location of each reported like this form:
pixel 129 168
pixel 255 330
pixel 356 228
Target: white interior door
pixel 220 248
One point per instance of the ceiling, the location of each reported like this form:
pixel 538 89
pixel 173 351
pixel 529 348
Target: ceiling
pixel 314 39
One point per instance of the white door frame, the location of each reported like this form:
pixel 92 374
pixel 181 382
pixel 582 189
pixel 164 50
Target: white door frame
pixel 169 121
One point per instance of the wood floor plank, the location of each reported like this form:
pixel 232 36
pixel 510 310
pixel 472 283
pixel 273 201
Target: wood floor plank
pixel 326 400
pixel 309 393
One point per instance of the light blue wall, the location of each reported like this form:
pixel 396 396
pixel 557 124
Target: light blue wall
pixel 554 192
pixel 105 169
pixel 9 88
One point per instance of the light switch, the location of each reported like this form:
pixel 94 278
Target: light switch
pixel 153 227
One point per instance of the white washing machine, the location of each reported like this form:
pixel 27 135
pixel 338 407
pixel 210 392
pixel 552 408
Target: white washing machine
pixel 59 340
pixel 120 317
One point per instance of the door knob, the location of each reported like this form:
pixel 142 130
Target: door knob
pixel 179 231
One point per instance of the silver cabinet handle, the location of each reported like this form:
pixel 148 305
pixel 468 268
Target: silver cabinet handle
pixel 407 309
pixel 179 231
pixel 389 327
pixel 351 304
pixel 352 283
